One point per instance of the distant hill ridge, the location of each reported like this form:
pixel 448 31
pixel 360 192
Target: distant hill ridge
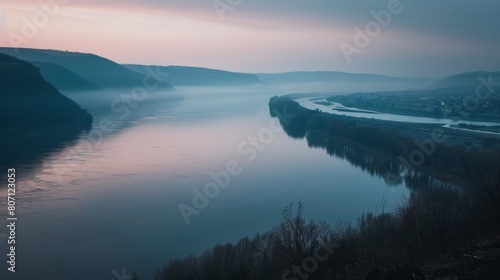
pixel 334 81
pixel 62 78
pixel 328 76
pixel 198 76
pixel 468 79
pixel 91 69
pixel 85 71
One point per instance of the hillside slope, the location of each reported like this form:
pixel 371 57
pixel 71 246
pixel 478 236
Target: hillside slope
pixel 466 80
pixel 340 81
pixel 197 76
pixel 62 78
pixel 99 71
pixel 28 101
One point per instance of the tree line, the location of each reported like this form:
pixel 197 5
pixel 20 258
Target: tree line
pixel 431 227
pixel 438 231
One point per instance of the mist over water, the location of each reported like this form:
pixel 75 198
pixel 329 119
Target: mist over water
pixel 249 139
pixel 117 203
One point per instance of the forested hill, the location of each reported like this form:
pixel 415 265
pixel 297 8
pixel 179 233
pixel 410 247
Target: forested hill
pixel 90 68
pixel 469 80
pixel 198 76
pixel 28 101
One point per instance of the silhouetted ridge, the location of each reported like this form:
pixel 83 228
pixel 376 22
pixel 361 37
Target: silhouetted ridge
pixel 356 80
pixel 97 70
pixel 466 80
pixel 197 76
pixel 27 100
pixel 62 78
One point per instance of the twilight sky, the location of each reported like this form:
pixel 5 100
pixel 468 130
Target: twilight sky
pixel 423 38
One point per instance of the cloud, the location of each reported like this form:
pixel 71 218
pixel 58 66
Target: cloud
pixel 296 34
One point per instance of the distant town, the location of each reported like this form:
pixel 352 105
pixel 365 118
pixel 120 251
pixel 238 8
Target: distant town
pixel 452 103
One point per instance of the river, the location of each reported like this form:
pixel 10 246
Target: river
pixel 86 213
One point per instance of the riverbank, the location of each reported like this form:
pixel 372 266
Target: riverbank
pixel 396 142
pixel 437 103
pixel 465 134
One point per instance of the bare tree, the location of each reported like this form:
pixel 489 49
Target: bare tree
pixel 296 239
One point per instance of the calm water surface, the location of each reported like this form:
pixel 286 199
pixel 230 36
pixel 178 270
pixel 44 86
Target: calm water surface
pixel 117 204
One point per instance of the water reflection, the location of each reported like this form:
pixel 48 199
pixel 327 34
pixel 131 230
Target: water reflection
pixel 26 149
pixel 119 203
pixel 370 159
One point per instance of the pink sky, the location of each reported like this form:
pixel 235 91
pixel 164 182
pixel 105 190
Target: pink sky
pixel 256 36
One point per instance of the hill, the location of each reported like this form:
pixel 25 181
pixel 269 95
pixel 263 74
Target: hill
pixel 197 76
pixel 62 78
pixel 465 80
pixel 27 100
pixel 343 82
pixel 97 70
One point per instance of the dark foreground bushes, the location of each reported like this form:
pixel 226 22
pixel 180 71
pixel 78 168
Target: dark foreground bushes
pixel 434 232
pixel 438 232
